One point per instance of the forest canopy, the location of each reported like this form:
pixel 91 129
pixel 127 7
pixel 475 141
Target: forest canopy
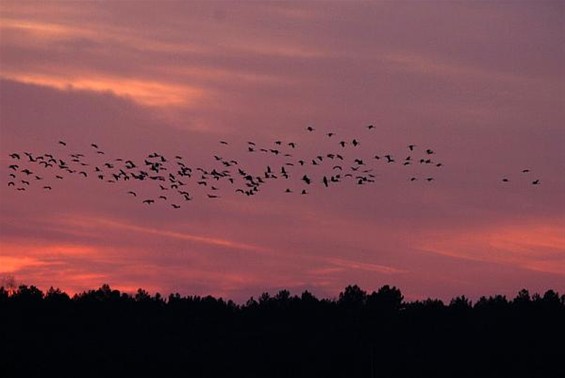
pixel 105 332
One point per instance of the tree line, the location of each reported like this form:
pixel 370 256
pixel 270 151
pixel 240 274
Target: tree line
pixel 107 333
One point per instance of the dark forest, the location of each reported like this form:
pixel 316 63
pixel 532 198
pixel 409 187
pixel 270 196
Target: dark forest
pixel 108 333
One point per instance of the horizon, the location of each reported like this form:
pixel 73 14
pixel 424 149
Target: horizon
pixel 13 289
pixel 474 87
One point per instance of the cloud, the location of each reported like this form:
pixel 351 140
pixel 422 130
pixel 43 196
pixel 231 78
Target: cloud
pixel 537 246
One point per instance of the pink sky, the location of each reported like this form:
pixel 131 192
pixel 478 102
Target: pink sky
pixel 482 84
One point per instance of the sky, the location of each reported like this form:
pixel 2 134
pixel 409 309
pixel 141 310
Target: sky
pixel 481 84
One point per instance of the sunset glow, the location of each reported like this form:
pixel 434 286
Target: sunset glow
pixel 480 85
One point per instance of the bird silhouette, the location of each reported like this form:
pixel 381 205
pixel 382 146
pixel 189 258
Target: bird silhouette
pixel 156 171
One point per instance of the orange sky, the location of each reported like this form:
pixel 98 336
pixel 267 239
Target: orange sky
pixel 480 83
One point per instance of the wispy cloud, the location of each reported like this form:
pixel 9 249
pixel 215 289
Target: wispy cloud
pixel 146 92
pixel 114 225
pixel 537 247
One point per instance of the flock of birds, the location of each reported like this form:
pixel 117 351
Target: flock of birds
pixel 175 181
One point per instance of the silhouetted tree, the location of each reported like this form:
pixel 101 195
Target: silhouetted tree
pixel 353 297
pixel 104 332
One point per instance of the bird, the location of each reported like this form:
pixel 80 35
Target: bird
pixel 505 180
pixel 330 135
pixel 411 147
pixel 306 179
pixel 310 128
pixel 62 143
pixel 371 127
pixel 148 201
pixel 223 142
pixel 355 142
pixel 94 145
pixel 47 187
pixel 15 156
pixel 132 193
pixel 536 182
pixel 175 206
